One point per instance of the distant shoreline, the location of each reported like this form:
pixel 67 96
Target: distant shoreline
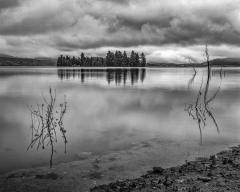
pixel 52 62
pixel 147 67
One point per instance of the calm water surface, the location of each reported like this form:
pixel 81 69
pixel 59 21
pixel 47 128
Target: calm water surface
pixel 116 110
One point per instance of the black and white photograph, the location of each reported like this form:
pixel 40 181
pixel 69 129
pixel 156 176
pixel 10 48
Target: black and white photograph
pixel 119 95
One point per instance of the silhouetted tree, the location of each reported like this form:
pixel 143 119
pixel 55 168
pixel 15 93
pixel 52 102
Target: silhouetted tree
pixel 110 59
pixel 132 59
pixel 125 60
pixel 143 60
pixel 137 61
pixel 73 61
pixel 82 59
pixel 60 61
pixel 118 59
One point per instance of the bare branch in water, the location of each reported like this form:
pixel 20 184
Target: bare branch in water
pixel 46 121
pixel 201 110
pixel 191 62
pixel 206 100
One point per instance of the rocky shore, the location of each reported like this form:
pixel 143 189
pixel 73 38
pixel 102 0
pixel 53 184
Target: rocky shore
pixel 219 173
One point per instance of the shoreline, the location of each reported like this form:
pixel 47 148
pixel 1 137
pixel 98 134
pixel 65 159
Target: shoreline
pixel 220 172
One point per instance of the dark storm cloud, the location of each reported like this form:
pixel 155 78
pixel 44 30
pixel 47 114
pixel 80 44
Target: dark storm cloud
pixel 129 23
pixel 33 26
pixel 176 27
pixel 4 4
pixel 158 24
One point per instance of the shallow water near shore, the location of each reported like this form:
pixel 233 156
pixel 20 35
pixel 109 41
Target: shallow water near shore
pixel 136 118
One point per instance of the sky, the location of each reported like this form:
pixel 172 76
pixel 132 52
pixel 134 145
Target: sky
pixel 165 30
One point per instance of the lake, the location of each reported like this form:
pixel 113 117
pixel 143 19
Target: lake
pixel 145 117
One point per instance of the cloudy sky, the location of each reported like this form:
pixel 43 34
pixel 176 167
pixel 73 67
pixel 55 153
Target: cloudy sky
pixel 166 30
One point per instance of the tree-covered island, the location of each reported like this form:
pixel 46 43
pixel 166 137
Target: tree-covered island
pixel 117 59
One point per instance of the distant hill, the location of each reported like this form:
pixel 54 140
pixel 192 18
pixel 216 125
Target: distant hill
pixel 225 62
pixel 4 55
pixel 169 65
pixel 6 60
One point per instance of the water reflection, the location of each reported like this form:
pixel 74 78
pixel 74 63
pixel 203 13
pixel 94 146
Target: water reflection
pixel 119 76
pixel 101 119
pixel 201 110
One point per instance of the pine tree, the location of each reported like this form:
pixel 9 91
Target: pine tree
pixel 78 61
pixel 73 61
pixel 143 60
pixel 67 61
pixel 125 60
pixel 132 59
pixel 137 62
pixel 60 61
pixel 102 62
pixel 118 59
pixel 82 59
pixel 91 62
pixel 63 61
pixel 110 59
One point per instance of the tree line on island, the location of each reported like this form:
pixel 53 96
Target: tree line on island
pixel 117 59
